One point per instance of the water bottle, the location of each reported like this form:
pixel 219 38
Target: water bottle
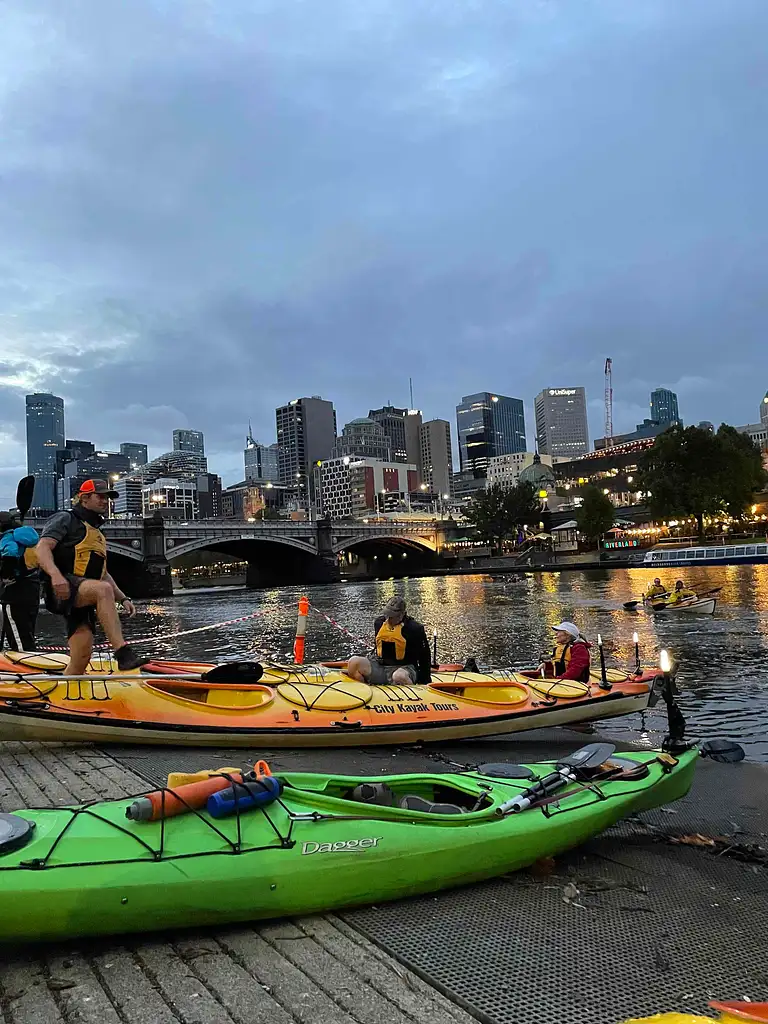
pixel 243 796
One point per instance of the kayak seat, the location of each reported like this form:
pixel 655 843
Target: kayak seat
pixel 374 793
pixel 412 802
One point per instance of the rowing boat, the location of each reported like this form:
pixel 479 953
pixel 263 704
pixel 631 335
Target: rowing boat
pixel 292 706
pixel 703 606
pixel 324 842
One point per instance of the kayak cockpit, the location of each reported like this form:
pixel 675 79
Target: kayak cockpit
pixel 403 796
pixel 229 697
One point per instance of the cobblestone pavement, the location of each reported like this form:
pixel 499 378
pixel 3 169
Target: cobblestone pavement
pixel 311 970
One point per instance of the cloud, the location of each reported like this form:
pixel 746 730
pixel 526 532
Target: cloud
pixel 209 209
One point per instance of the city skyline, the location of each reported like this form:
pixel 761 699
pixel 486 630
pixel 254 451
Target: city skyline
pixel 234 472
pixel 502 196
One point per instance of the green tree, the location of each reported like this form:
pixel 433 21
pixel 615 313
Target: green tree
pixel 693 472
pixel 596 514
pixel 497 512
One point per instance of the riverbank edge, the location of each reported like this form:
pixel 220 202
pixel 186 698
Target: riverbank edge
pixel 309 970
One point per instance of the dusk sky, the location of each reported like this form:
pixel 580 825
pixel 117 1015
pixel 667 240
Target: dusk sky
pixel 209 208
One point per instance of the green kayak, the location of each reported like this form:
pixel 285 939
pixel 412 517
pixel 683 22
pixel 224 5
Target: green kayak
pixel 324 842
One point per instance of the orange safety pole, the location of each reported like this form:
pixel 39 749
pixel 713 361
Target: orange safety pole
pixel 301 629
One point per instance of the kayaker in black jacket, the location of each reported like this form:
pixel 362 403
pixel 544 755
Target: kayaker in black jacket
pixel 402 650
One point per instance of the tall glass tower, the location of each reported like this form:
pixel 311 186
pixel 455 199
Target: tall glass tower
pixel 45 436
pixel 488 425
pixel 664 406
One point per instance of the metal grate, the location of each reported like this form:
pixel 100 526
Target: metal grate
pixel 658 927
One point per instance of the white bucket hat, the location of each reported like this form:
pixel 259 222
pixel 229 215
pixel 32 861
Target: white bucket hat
pixel 568 627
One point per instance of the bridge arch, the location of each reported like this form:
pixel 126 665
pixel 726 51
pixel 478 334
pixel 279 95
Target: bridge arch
pixel 415 542
pixel 124 551
pixel 214 543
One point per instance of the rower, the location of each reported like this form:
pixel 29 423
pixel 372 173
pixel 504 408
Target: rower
pixel 681 593
pixel 656 589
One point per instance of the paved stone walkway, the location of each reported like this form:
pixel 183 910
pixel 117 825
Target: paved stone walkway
pixel 311 970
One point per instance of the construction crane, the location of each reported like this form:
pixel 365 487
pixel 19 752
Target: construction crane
pixel 608 404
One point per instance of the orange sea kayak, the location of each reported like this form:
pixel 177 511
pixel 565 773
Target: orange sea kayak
pixel 291 706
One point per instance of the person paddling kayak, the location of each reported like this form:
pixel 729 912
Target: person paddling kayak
pixel 72 552
pixel 681 593
pixel 570 657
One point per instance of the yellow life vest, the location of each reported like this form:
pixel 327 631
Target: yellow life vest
pixel 681 595
pixel 390 642
pixel 91 554
pixel 30 558
pixel 653 590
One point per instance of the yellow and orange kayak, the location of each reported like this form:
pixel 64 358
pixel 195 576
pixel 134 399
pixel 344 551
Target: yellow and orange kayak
pixel 291 706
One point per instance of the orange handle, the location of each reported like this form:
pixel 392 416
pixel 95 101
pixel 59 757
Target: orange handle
pixel 261 768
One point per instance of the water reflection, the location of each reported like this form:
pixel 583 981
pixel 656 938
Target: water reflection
pixel 723 659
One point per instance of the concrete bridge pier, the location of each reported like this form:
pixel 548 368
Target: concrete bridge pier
pixel 150 577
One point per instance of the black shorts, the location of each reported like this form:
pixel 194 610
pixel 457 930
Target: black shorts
pixel 382 674
pixel 74 617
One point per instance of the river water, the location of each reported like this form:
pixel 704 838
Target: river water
pixel 723 659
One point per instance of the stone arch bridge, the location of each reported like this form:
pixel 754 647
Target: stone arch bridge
pixel 278 553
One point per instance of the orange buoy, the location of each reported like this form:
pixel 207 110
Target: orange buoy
pixel 301 629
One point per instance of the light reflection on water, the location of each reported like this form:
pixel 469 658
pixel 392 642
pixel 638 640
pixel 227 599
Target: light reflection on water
pixel 723 659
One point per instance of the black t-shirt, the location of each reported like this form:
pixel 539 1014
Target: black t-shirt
pixel 68 529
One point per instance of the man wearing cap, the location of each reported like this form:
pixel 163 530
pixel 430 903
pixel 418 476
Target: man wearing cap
pixel 72 552
pixel 570 657
pixel 402 651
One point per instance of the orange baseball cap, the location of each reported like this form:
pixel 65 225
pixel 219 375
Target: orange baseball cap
pixel 98 487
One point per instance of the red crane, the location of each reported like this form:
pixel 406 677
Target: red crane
pixel 608 404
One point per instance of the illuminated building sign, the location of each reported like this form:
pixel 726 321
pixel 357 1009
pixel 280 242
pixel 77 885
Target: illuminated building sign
pixel 562 391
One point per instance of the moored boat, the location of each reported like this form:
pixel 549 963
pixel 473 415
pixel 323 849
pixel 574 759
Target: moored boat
pixel 293 706
pixel 318 842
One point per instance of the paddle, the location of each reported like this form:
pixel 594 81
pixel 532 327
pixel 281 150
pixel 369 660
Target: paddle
pixel 568 770
pixel 723 751
pixel 24 493
pixel 234 672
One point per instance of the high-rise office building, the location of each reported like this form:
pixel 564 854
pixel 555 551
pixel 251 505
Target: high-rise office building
pixel 109 466
pixel 189 441
pixel 664 406
pixel 562 430
pixel 72 450
pixel 209 496
pixel 178 464
pixel 365 439
pixel 764 410
pixel 45 437
pixel 488 425
pixel 402 427
pixel 261 461
pixel 306 434
pixel 437 457
pixel 137 453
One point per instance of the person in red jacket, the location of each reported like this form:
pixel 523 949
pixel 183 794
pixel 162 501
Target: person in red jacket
pixel 570 657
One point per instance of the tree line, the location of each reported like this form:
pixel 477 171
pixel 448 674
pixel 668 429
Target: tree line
pixel 689 471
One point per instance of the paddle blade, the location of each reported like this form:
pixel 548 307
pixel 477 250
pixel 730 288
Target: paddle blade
pixel 588 757
pixel 631 605
pixel 234 672
pixel 724 751
pixel 24 493
pixel 506 771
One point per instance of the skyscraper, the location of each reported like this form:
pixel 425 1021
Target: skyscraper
pixel 664 406
pixel 137 454
pixel 261 461
pixel 437 456
pixel 306 433
pixel 402 427
pixel 562 430
pixel 189 441
pixel 364 438
pixel 45 436
pixel 488 425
